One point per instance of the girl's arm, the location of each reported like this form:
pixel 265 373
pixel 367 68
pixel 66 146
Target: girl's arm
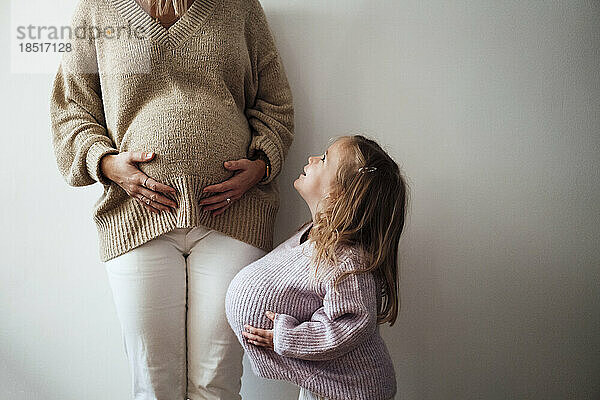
pixel 344 321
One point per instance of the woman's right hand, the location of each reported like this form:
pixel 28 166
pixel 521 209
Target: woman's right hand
pixel 122 169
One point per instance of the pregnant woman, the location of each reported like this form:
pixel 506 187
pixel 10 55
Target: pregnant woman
pixel 184 114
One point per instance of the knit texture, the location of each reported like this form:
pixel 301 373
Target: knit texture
pixel 210 88
pixel 325 341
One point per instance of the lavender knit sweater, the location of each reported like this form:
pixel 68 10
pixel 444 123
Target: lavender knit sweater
pixel 330 345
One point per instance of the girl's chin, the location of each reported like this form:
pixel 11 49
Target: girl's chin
pixel 298 185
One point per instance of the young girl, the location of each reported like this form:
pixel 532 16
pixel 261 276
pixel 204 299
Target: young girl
pixel 309 311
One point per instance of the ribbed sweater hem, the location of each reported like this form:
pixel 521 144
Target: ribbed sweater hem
pixel 250 219
pixel 320 386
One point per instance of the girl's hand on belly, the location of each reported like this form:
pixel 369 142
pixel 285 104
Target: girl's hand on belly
pixel 260 337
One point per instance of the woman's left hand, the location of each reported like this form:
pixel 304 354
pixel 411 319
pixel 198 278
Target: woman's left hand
pixel 250 173
pixel 260 337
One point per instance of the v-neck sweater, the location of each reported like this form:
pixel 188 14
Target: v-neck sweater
pixel 210 88
pixel 323 340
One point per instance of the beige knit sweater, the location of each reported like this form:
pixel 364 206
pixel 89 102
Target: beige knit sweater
pixel 211 88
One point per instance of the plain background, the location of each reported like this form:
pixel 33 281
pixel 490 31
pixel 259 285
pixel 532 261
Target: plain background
pixel 492 109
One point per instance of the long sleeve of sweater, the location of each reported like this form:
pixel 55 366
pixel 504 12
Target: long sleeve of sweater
pixel 209 89
pixel 324 340
pixel 346 319
pixel 79 132
pixel 270 113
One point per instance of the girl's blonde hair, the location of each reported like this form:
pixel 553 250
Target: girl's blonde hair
pixel 365 210
pixel 162 6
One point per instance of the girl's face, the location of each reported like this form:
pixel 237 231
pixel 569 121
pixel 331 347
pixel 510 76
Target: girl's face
pixel 319 175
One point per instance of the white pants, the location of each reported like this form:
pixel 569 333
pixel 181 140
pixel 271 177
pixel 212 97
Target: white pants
pixel 169 295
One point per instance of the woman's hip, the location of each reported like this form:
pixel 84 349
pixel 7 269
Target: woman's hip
pixel 161 272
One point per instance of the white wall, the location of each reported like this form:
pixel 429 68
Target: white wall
pixel 493 111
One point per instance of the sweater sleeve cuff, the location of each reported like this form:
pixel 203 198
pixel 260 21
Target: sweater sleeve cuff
pixel 262 142
pixel 282 324
pixel 94 154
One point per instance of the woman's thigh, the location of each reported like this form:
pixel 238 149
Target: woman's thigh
pixel 149 286
pixel 214 353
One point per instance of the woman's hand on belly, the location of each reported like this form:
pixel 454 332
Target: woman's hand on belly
pixel 123 169
pixel 260 337
pixel 249 174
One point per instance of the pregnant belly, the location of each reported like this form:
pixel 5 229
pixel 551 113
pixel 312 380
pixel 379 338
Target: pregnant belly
pixel 256 289
pixel 191 146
